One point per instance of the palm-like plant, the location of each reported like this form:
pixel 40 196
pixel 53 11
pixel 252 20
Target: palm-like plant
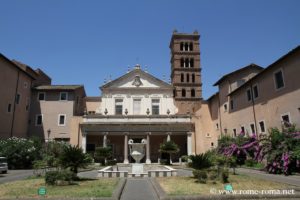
pixel 73 157
pixel 201 161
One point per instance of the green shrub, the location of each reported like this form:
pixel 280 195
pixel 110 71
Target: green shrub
pixel 213 175
pixel 169 148
pixel 102 153
pixel 250 163
pixel 52 152
pixel 184 158
pixel 111 162
pixel 200 161
pixel 200 175
pixel 39 167
pixel 59 177
pixel 73 157
pixel 51 177
pixel 20 152
pixel 224 176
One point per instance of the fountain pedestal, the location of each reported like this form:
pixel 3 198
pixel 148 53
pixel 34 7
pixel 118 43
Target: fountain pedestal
pixel 137 168
pixel 137 152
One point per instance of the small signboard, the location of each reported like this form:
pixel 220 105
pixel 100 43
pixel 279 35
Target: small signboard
pixel 42 191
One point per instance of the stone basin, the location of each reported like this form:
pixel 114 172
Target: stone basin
pixel 128 170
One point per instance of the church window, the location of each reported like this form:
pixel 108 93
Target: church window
pixel 181 46
pixel 183 93
pixel 186 62
pixel 155 106
pixel 186 46
pixel 137 106
pixel 192 62
pixel 181 62
pixel 119 106
pixel 193 93
pixel 193 78
pixel 182 78
pixel 191 46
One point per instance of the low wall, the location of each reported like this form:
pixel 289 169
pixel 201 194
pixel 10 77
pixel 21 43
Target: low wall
pixel 108 172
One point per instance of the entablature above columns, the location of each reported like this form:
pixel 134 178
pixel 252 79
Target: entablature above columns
pixel 138 128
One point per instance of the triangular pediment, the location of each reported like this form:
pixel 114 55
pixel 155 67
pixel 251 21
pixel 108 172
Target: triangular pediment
pixel 136 78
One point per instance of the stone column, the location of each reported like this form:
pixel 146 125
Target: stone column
pixel 105 139
pixel 126 148
pixel 83 141
pixel 189 143
pixel 148 160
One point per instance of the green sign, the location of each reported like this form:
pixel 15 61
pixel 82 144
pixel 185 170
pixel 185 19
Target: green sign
pixel 42 191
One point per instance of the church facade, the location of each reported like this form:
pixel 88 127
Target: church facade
pixel 136 106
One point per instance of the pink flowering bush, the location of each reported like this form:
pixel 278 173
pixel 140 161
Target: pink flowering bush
pixel 281 149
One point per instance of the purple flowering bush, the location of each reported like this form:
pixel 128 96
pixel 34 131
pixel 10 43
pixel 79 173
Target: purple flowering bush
pixel 280 149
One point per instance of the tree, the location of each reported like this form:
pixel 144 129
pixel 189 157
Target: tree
pixel 169 147
pixel 73 157
pixel 102 153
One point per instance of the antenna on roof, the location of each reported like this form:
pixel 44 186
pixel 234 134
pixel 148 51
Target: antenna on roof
pixel 105 80
pixel 146 68
pixel 109 78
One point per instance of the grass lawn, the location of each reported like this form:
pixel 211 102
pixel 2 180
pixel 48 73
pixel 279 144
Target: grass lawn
pixel 189 186
pixel 84 188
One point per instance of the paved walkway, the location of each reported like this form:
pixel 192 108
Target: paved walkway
pixel 292 180
pixel 137 189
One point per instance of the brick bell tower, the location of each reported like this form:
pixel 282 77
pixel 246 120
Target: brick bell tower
pixel 186 71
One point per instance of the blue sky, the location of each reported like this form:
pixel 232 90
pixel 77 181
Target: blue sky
pixel 84 42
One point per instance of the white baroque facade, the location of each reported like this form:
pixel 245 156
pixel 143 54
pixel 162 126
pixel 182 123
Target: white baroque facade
pixel 137 93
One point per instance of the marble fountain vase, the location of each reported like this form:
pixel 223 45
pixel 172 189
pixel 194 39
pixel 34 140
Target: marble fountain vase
pixel 137 152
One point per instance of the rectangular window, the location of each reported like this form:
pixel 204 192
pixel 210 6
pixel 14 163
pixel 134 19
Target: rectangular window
pixel 279 82
pixel 18 98
pixel 249 95
pixel 234 132
pixel 38 120
pixel 41 96
pixel 9 107
pixel 243 129
pixel 118 106
pixel 63 96
pixel 225 107
pixel 231 104
pixel 286 118
pixel 61 120
pixel 255 91
pixel 252 127
pixel 262 127
pixel 137 106
pixel 225 130
pixel 155 106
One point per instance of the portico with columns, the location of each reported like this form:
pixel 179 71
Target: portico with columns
pixel 117 136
